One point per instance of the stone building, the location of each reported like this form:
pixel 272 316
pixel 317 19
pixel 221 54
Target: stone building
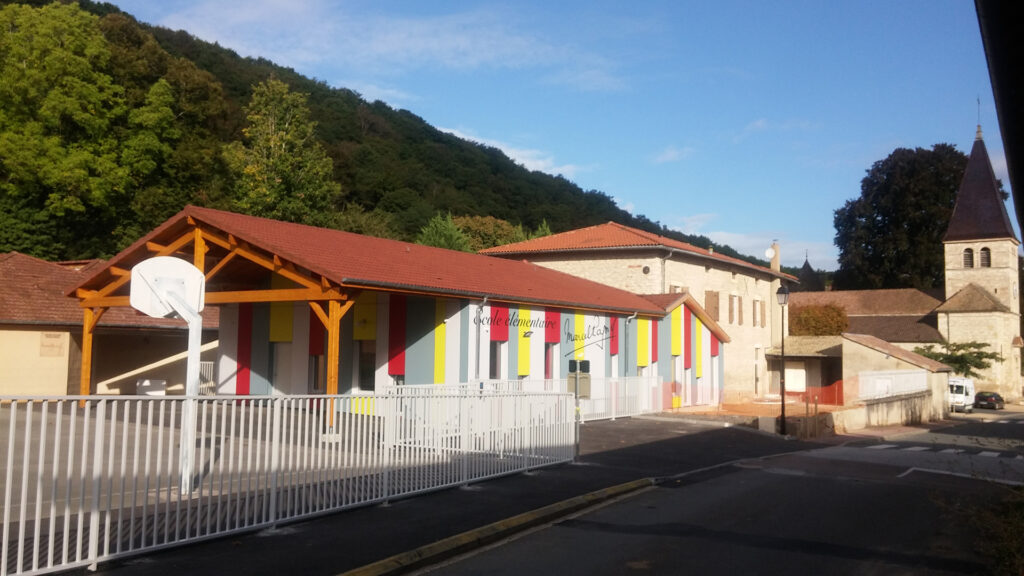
pixel 980 300
pixel 738 295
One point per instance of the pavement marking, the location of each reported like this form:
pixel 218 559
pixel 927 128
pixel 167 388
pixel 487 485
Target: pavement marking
pixel 951 451
pixel 988 454
pixel 881 446
pixel 917 448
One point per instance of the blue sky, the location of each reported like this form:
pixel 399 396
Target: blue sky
pixel 742 121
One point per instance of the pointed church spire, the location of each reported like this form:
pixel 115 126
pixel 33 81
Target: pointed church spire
pixel 980 213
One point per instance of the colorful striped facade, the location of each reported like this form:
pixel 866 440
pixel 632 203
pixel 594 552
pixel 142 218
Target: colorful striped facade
pixel 391 338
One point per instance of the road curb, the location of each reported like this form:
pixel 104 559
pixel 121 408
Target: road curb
pixel 478 537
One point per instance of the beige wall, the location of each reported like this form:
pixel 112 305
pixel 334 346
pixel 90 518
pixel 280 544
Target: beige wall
pixel 997 330
pixel 34 362
pixel 746 372
pixel 910 408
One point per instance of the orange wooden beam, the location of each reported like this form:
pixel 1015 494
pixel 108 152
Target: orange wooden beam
pixel 273 263
pixel 233 297
pixel 89 321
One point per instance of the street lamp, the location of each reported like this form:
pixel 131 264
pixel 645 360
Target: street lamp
pixel 783 296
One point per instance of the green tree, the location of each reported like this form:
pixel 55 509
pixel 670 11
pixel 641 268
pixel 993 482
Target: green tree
pixel 488 231
pixel 891 237
pixel 965 358
pixel 542 230
pixel 282 171
pixel 827 320
pixel 442 232
pixel 62 186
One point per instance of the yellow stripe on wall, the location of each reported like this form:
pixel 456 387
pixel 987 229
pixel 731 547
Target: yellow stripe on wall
pixel 698 348
pixel 524 342
pixel 643 339
pixel 281 313
pixel 365 317
pixel 440 333
pixel 578 332
pixel 677 331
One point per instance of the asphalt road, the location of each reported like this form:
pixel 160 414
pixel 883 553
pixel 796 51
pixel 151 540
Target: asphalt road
pixel 899 506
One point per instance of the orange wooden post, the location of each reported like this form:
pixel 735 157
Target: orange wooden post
pixel 199 251
pixel 89 321
pixel 333 345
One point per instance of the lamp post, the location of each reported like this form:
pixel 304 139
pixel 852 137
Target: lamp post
pixel 783 296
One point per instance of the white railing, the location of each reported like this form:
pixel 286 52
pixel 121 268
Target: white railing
pixel 609 398
pixel 883 384
pixel 88 479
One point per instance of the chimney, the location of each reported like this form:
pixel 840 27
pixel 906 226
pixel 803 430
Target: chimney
pixel 775 257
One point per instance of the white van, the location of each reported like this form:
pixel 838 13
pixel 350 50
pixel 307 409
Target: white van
pixel 961 394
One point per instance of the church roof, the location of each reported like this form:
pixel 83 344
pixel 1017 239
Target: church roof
pixel 891 302
pixel 980 213
pixel 972 298
pixel 810 280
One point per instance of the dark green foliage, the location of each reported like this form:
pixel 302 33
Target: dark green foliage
pixel 965 358
pixel 827 320
pixel 145 114
pixel 891 237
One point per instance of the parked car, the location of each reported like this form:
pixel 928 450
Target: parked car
pixel 989 400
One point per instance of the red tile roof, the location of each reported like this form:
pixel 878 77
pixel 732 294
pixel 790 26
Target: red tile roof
pixel 613 236
pixel 671 301
pixel 34 290
pixel 357 261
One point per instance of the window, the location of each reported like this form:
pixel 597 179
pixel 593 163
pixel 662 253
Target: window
pixel 763 322
pixel 549 360
pixel 739 308
pixel 753 313
pixel 968 258
pixel 985 257
pixel 732 308
pixel 367 364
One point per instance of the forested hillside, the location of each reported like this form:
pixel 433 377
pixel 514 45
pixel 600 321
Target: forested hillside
pixel 108 126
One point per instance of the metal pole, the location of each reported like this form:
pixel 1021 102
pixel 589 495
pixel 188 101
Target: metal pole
pixel 782 373
pixel 576 377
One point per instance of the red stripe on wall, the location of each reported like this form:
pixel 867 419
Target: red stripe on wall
pixel 396 335
pixel 613 342
pixel 316 335
pixel 654 340
pixel 714 346
pixel 552 318
pixel 688 341
pixel 242 376
pixel 499 323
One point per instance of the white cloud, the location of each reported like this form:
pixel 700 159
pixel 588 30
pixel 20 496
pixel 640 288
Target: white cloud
pixel 625 205
pixel 761 125
pixel 370 42
pixel 372 92
pixel 529 158
pixel 673 154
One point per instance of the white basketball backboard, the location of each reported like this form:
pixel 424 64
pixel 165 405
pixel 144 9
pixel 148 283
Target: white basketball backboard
pixel 155 279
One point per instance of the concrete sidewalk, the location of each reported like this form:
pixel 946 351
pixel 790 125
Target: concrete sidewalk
pixel 617 457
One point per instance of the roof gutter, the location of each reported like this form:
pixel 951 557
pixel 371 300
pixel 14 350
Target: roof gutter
pixel 430 291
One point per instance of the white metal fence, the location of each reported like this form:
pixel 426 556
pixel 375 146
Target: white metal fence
pixel 608 398
pixel 87 479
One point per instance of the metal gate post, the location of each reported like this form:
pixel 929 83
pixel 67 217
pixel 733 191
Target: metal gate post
pixel 97 480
